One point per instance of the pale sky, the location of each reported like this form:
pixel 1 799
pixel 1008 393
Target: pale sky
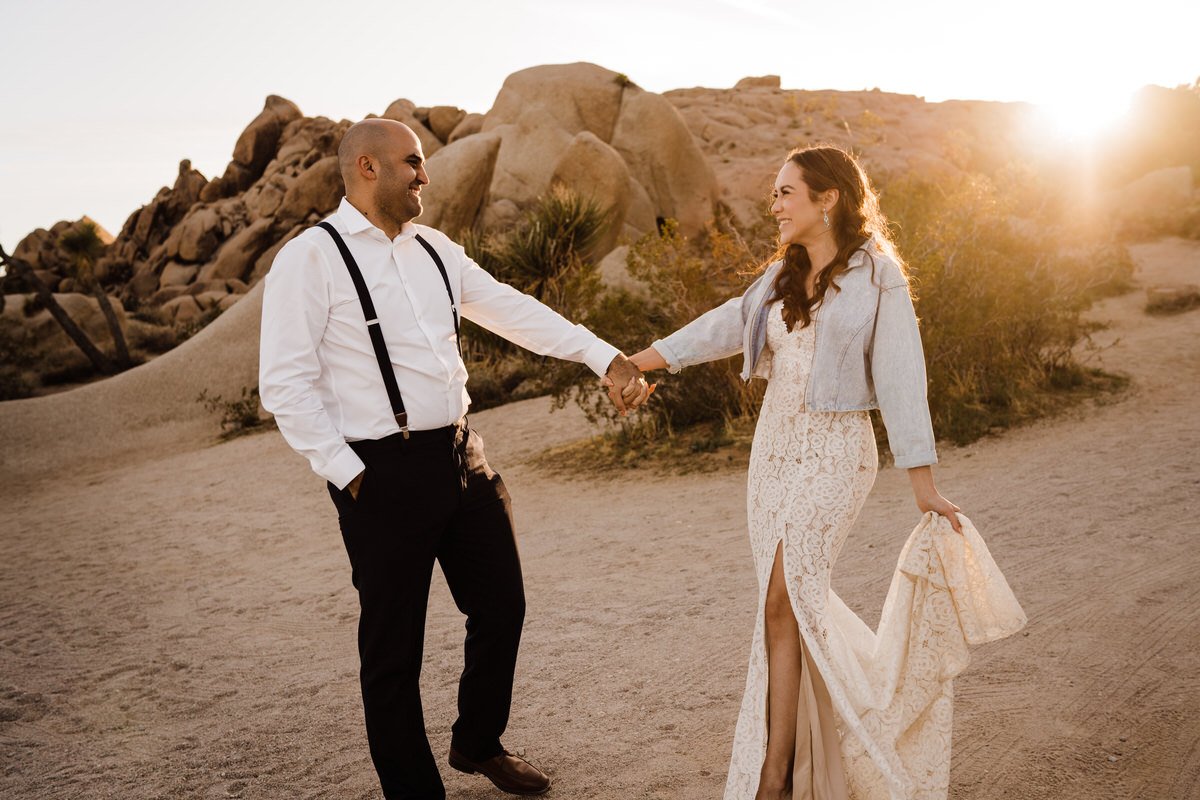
pixel 100 101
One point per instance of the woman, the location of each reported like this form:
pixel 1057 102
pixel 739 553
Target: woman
pixel 831 324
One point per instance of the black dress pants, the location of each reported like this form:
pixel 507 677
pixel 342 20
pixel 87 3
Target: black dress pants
pixel 431 497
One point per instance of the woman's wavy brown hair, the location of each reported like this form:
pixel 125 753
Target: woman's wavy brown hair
pixel 855 219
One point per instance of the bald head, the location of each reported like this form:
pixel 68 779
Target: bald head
pixel 377 139
pixel 383 168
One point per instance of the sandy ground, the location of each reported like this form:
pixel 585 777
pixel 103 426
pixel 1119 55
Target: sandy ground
pixel 176 617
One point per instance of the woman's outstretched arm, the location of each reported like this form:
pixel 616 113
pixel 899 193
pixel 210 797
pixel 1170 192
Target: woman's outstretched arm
pixel 648 359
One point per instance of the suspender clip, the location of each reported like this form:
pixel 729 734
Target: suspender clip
pixel 402 421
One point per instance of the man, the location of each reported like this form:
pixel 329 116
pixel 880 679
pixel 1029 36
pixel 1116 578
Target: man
pixel 375 399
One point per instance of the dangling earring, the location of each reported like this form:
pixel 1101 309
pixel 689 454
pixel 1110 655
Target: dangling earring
pixel 825 216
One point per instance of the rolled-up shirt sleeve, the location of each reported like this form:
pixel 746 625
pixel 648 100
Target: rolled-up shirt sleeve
pixel 526 322
pixel 295 312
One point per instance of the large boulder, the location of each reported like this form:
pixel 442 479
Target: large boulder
pixel 579 97
pixel 198 235
pixel 186 191
pixel 444 119
pixel 236 257
pixel 758 82
pixel 269 197
pixel 176 274
pixel 306 141
pixel 470 125
pixel 662 155
pixel 530 148
pixel 143 283
pixel 593 170
pixel 144 223
pixel 459 175
pixel 236 179
pixel 182 309
pixel 258 142
pixel 316 190
pixel 402 111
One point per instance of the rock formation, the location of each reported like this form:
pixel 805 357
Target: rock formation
pixel 578 125
pixel 689 154
pixel 540 115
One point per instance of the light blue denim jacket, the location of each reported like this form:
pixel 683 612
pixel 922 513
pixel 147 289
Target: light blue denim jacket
pixel 868 348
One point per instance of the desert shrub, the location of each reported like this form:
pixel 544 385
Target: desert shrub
pixel 1001 273
pixel 239 415
pixel 67 368
pixel 152 338
pixel 147 312
pixel 1000 297
pixel 189 329
pixel 16 361
pixel 683 279
pixel 119 273
pixel 14 383
pixel 549 252
pixel 499 379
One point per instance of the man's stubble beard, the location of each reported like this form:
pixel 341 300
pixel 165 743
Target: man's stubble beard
pixel 402 206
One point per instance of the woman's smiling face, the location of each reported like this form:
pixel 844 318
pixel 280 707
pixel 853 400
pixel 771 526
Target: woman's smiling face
pixel 801 219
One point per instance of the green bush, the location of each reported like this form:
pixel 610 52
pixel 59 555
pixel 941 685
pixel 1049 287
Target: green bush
pixel 238 416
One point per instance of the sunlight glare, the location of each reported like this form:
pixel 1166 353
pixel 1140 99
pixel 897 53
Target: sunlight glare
pixel 1082 116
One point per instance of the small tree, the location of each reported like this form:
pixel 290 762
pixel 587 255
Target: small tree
pixel 102 363
pixel 83 245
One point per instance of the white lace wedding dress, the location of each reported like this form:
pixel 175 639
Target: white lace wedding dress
pixel 890 689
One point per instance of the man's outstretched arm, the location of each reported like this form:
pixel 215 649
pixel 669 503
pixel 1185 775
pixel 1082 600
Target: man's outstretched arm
pixel 525 321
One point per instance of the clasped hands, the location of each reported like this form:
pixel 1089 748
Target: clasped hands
pixel 626 386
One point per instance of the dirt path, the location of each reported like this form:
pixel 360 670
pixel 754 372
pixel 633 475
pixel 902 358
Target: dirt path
pixel 181 624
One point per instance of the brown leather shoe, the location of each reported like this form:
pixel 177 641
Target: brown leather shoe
pixel 509 772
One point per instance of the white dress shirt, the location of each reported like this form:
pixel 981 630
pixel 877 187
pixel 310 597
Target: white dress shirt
pixel 317 370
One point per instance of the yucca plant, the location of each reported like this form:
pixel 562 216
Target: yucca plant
pixel 83 246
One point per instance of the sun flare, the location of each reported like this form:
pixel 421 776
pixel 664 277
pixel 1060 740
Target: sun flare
pixel 1082 116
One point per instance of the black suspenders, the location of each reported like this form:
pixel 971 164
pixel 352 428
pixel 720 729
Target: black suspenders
pixel 368 307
